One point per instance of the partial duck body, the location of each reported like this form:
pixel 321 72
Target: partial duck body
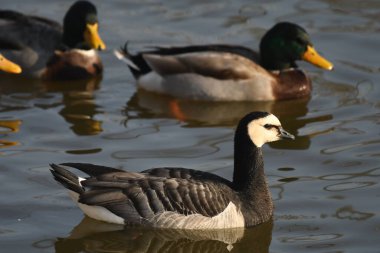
pixel 45 49
pixel 228 72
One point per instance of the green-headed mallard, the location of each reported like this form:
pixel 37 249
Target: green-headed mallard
pixel 226 72
pixel 45 49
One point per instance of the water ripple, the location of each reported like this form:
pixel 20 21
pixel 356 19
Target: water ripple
pixel 185 152
pixel 344 176
pixel 311 238
pixel 347 186
pixel 346 147
pixel 84 151
pixel 131 134
pixel 348 212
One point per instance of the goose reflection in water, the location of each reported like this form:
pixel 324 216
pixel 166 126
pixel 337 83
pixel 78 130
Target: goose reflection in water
pixel 94 236
pixel 293 113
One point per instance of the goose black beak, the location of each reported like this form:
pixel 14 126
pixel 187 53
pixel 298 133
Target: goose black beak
pixel 285 135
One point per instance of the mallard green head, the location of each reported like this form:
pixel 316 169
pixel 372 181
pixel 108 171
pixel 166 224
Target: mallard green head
pixel 80 27
pixel 8 66
pixel 286 43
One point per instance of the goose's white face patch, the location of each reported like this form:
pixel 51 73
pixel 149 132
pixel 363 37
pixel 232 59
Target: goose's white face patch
pixel 259 134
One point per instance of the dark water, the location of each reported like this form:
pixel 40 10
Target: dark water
pixel 325 184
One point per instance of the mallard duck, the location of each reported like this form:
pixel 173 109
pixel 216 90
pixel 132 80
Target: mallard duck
pixel 226 72
pixel 182 198
pixel 45 49
pixel 8 66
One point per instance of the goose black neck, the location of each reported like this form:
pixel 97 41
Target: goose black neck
pixel 248 165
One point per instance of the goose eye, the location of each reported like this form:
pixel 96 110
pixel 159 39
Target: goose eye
pixel 268 126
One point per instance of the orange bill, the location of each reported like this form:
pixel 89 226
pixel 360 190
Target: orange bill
pixel 8 66
pixel 91 36
pixel 312 56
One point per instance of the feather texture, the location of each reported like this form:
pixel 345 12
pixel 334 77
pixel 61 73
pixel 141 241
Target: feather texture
pixel 139 197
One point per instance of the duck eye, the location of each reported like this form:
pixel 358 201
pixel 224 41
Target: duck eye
pixel 300 41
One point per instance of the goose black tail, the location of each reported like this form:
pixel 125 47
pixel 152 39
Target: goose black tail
pixel 66 178
pixel 92 169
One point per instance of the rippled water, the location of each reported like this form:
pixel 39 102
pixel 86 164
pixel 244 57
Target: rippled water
pixel 325 184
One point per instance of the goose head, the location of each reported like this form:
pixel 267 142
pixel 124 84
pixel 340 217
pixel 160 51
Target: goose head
pixel 262 127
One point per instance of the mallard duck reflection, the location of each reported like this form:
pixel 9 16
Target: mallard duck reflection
pixel 8 126
pixel 80 107
pixel 147 105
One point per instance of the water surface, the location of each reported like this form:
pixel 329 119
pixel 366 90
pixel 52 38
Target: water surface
pixel 325 184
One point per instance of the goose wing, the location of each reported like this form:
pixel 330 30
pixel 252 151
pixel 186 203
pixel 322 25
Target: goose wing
pixel 140 196
pixel 174 172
